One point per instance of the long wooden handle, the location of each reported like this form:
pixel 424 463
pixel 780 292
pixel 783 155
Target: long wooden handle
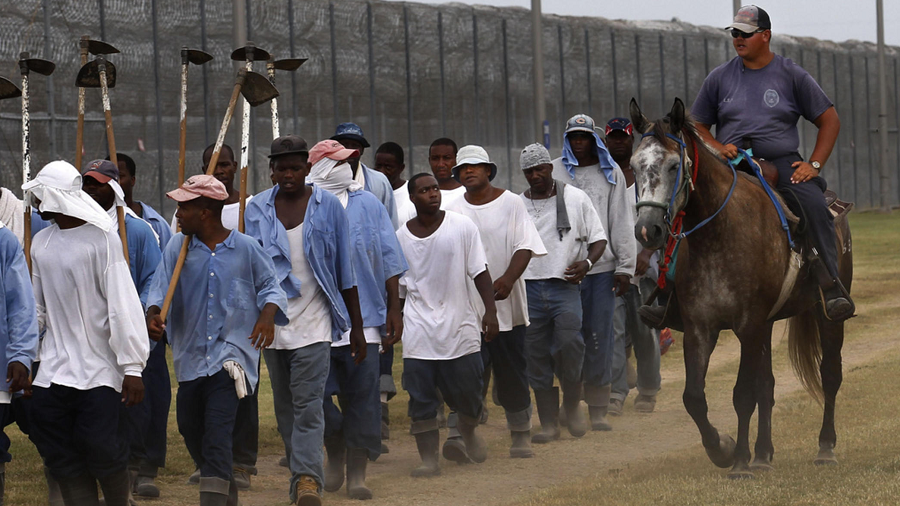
pixel 28 236
pixel 111 142
pixel 26 166
pixel 167 302
pixel 183 139
pixel 79 135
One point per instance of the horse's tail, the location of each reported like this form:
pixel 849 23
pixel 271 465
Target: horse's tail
pixel 806 352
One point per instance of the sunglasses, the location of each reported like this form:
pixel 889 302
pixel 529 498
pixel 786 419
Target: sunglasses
pixel 737 34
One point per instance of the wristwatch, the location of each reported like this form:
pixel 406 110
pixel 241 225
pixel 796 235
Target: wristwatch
pixel 816 165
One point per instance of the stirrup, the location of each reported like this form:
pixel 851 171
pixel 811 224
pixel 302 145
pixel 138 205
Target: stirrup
pixel 661 316
pixel 839 306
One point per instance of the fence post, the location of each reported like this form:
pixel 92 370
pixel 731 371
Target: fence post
pixel 51 105
pixel 409 102
pixel 475 74
pixel 868 135
pixel 615 75
pixel 203 46
pixel 562 70
pixel 684 63
pixel 587 67
pixel 855 167
pixel 160 166
pixel 334 79
pixel 440 27
pixel 369 31
pixel 509 162
pixel 294 108
pixel 637 67
pixel 662 75
pixel 102 11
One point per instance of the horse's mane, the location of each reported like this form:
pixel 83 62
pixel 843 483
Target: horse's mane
pixel 660 128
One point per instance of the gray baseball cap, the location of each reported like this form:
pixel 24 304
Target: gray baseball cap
pixel 751 18
pixel 534 155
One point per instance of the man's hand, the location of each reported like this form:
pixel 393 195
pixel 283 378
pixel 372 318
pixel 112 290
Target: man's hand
pixel 643 262
pixel 155 327
pixel 393 327
pixel 357 345
pixel 264 330
pixel 576 272
pixel 729 151
pixel 621 284
pixel 803 172
pixel 132 390
pixel 17 377
pixel 490 327
pixel 502 287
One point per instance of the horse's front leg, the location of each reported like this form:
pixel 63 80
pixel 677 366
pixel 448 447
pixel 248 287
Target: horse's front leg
pixel 832 339
pixel 698 346
pixel 765 397
pixel 745 399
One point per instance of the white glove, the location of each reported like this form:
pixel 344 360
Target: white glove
pixel 240 378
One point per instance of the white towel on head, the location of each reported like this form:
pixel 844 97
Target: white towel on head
pixel 336 177
pixel 58 187
pixel 12 213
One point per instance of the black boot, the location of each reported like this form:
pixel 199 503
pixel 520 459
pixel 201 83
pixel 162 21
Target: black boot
pixel 548 411
pixel 428 444
pixel 357 460
pixel 80 490
pixel 664 315
pixel 334 464
pixel 838 304
pixel 116 488
pixel 217 491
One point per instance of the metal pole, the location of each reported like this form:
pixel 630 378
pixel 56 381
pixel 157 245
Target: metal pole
pixel 897 120
pixel 637 66
pixel 475 76
pixel 615 78
pixel 409 103
pixel 296 116
pixel 537 54
pixel 562 69
pixel 684 63
pixel 334 82
pixel 736 6
pixel 834 64
pixel 871 168
pixel 239 35
pixel 205 79
pixel 102 10
pixel 252 182
pixel 587 67
pixel 371 43
pixel 509 164
pixel 662 74
pixel 855 165
pixel 160 174
pixel 48 51
pixel 440 28
pixel 882 114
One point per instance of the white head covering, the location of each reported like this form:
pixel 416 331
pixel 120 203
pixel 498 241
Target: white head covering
pixel 336 177
pixel 58 187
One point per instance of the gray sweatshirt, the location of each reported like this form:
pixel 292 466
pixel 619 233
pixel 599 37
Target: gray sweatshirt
pixel 615 210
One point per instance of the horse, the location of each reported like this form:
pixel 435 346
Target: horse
pixel 729 274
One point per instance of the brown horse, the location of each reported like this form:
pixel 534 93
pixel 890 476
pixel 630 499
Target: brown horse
pixel 729 275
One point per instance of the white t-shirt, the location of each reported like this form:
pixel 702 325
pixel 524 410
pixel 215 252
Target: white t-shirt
pixel 449 196
pixel 441 317
pixel 372 334
pixel 310 313
pixel 405 208
pixel 505 228
pixel 573 246
pixel 230 215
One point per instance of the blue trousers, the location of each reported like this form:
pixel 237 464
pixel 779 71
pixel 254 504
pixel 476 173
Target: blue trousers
pixel 298 387
pixel 206 409
pixel 150 418
pixel 78 431
pixel 644 340
pixel 245 444
pixel 386 370
pixel 459 380
pixel 359 418
pixel 553 342
pixel 598 303
pixel 6 418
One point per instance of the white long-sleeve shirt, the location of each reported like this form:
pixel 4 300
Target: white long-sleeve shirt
pixel 95 331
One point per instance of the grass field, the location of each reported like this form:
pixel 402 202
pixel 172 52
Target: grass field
pixel 655 459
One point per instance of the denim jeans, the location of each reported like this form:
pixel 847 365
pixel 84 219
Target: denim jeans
pixel 553 342
pixel 386 371
pixel 148 448
pixel 459 380
pixel 298 387
pixel 644 340
pixel 598 303
pixel 505 354
pixel 206 409
pixel 356 386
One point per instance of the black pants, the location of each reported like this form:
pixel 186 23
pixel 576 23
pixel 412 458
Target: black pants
pixel 206 409
pixel 807 201
pixel 506 355
pixel 149 419
pixel 245 444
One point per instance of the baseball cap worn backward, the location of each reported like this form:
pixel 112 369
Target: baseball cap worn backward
pixel 580 123
pixel 750 18
pixel 534 155
pixel 473 155
pixel 102 170
pixel 288 145
pixel 331 149
pixel 350 131
pixel 197 186
pixel 622 124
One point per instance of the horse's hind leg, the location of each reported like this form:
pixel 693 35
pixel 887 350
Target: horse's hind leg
pixel 765 396
pixel 698 347
pixel 745 399
pixel 832 339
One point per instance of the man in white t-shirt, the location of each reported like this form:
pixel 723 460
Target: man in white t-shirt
pixel 442 338
pixel 510 240
pixel 631 332
pixel 441 159
pixel 574 237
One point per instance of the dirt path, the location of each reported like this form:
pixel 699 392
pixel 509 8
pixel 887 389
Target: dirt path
pixel 635 437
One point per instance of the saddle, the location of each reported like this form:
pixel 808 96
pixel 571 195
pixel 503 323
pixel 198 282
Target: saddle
pixel 769 172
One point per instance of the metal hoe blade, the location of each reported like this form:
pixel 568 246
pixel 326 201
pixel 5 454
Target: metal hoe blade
pixel 89 75
pixel 289 64
pixel 8 89
pixel 257 89
pixel 98 47
pixel 37 65
pixel 196 56
pixel 250 51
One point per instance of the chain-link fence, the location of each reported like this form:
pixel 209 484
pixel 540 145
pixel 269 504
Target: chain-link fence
pixel 404 72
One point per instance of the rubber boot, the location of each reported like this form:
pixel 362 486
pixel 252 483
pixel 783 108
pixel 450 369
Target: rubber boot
pixel 521 445
pixel 334 464
pixel 385 422
pixel 217 491
pixel 116 488
pixel 454 448
pixel 597 399
pixel 80 490
pixel 475 447
pixel 572 408
pixel 54 496
pixel 2 483
pixel 428 444
pixel 232 494
pixel 548 411
pixel 357 460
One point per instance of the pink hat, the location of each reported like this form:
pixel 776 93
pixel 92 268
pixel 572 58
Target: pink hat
pixel 331 149
pixel 199 186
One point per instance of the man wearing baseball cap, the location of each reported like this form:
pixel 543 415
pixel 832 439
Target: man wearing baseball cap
pixel 305 230
pixel 631 333
pixel 227 291
pixel 574 237
pixel 587 164
pixel 350 135
pixel 510 241
pixel 774 94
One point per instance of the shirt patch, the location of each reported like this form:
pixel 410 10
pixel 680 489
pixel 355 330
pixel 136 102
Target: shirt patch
pixel 771 98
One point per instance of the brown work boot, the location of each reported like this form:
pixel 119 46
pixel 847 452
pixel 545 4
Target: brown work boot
pixel 357 460
pixel 307 492
pixel 616 406
pixel 645 403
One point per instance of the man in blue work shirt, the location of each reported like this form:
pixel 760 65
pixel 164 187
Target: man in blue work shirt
pixel 350 135
pixel 354 432
pixel 227 292
pixel 128 180
pixel 18 333
pixel 305 230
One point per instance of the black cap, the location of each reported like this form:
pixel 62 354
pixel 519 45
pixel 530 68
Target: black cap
pixel 288 145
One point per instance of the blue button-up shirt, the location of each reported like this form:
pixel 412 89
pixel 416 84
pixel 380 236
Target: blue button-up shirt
pixel 326 244
pixel 143 254
pixel 377 184
pixel 216 304
pixel 375 252
pixel 158 223
pixel 19 329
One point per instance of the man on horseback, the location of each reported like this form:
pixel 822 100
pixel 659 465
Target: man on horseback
pixel 755 101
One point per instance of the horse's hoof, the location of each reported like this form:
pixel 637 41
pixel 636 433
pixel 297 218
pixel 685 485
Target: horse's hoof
pixel 826 456
pixel 740 472
pixel 761 466
pixel 723 455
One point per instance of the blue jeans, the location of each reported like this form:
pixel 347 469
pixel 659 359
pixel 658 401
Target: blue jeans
pixel 598 303
pixel 553 342
pixel 298 387
pixel 386 370
pixel 148 446
pixel 459 380
pixel 356 386
pixel 644 340
pixel 206 409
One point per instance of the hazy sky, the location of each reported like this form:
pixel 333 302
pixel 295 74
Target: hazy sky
pixel 836 20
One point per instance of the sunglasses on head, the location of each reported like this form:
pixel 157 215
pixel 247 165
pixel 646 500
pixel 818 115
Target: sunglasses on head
pixel 737 34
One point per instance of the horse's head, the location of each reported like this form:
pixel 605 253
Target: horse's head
pixel 662 172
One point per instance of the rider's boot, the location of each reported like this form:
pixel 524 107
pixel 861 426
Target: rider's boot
pixel 664 315
pixel 835 298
